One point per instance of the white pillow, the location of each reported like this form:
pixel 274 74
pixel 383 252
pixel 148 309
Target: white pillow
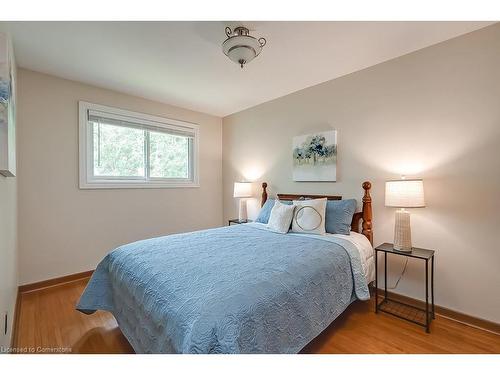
pixel 309 216
pixel 281 217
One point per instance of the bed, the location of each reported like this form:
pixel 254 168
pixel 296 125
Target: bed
pixel 236 289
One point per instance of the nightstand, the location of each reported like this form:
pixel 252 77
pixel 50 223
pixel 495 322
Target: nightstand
pixel 236 221
pixel 414 314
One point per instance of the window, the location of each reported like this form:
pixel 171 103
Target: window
pixel 123 149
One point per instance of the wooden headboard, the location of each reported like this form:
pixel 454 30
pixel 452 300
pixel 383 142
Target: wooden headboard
pixel 361 221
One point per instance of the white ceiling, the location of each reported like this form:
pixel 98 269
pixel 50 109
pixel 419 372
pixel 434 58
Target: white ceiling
pixel 181 63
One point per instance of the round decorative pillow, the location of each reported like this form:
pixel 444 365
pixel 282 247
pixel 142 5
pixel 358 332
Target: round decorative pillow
pixel 307 218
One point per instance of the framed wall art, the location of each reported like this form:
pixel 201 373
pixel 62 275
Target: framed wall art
pixel 315 156
pixel 7 108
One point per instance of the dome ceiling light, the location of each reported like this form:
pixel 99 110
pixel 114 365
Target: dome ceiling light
pixel 240 46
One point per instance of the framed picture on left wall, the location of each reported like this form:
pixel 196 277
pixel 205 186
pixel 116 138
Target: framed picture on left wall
pixel 7 108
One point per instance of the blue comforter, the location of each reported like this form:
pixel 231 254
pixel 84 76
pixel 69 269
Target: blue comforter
pixel 237 289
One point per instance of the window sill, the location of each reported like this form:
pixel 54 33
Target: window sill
pixel 138 185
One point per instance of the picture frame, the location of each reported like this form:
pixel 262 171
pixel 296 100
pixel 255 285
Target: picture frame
pixel 7 108
pixel 315 157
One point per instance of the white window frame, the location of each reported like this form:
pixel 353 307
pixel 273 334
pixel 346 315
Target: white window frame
pixel 86 172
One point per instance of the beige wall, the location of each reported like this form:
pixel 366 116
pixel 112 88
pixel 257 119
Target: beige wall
pixel 434 113
pixel 8 255
pixel 64 230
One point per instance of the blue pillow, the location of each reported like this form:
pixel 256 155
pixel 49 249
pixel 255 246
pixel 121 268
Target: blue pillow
pixel 339 216
pixel 265 211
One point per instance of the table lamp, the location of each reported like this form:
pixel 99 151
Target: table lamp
pixel 242 190
pixel 404 193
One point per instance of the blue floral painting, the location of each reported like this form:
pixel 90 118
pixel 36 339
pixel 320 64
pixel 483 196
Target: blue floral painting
pixel 7 109
pixel 315 157
pixel 4 92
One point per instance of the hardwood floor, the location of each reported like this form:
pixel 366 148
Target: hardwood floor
pixel 48 322
pixel 48 319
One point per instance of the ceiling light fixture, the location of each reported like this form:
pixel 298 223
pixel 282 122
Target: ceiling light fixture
pixel 240 46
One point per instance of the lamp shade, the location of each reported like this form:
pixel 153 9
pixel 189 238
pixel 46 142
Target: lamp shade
pixel 240 46
pixel 404 193
pixel 241 49
pixel 242 190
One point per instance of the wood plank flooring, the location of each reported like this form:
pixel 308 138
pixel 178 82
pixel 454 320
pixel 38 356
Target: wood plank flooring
pixel 48 322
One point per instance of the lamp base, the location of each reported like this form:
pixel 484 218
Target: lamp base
pixel 403 250
pixel 242 214
pixel 402 232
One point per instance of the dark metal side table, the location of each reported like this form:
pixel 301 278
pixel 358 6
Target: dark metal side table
pixel 236 221
pixel 414 314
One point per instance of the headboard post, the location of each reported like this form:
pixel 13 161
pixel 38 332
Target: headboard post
pixel 367 212
pixel 264 194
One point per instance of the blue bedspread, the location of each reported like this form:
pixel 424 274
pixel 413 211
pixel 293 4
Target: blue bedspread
pixel 237 289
